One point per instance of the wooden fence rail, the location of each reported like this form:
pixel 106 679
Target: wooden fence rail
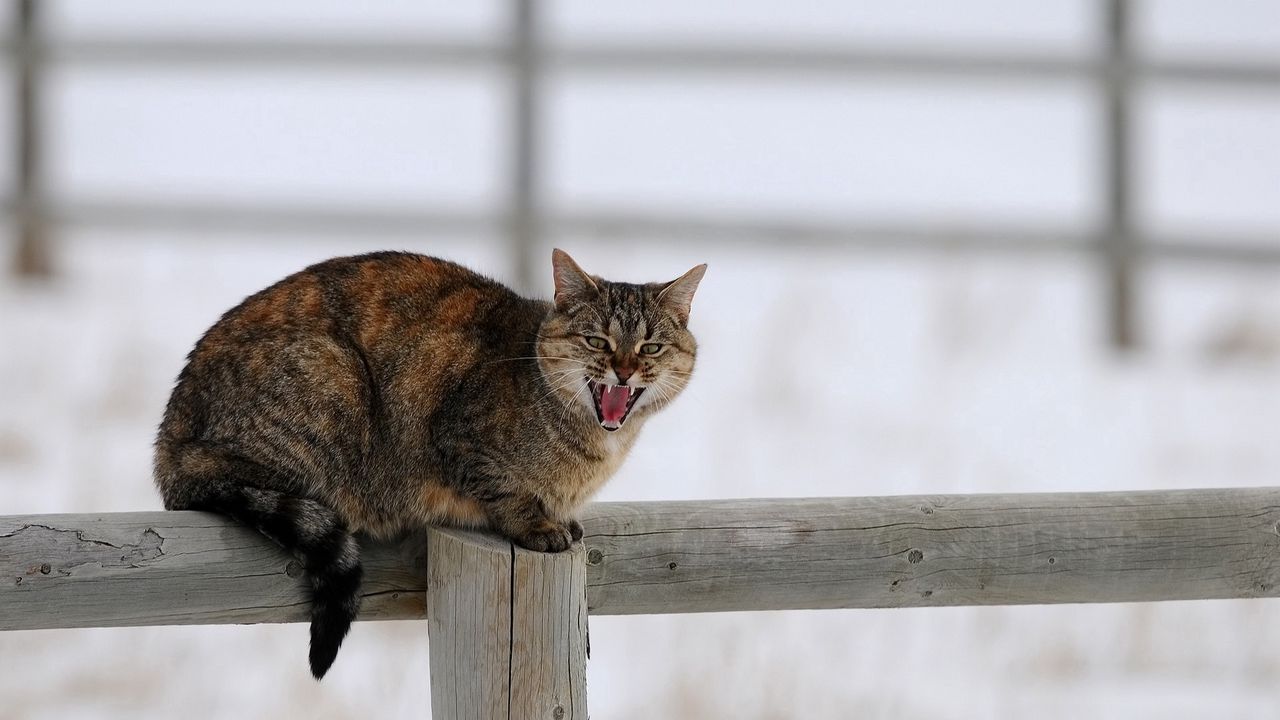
pixel 508 626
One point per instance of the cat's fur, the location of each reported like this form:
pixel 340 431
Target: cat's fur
pixel 388 391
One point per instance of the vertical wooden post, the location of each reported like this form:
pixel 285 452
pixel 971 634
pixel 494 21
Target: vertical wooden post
pixel 549 635
pixel 508 629
pixel 32 256
pixel 1119 239
pixel 524 219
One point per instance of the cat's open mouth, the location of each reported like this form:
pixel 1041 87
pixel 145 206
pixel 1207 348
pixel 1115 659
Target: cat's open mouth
pixel 613 403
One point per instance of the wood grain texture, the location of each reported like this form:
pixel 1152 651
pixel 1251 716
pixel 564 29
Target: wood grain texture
pixel 175 568
pixel 163 568
pixel 507 629
pixel 879 552
pixel 469 625
pixel 550 631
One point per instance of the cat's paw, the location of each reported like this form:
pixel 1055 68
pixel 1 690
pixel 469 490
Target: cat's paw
pixel 575 530
pixel 546 536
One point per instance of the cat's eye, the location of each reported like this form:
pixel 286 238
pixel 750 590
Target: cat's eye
pixel 650 349
pixel 598 343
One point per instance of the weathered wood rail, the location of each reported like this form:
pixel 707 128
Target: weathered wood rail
pixel 499 616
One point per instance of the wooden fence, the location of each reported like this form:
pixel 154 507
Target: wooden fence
pixel 507 626
pixel 532 56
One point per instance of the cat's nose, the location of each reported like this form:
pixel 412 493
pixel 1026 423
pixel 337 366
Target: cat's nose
pixel 624 373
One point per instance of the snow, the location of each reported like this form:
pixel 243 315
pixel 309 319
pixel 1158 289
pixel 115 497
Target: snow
pixel 831 375
pixel 821 373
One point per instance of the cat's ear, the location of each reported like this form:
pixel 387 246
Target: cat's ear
pixel 677 295
pixel 573 284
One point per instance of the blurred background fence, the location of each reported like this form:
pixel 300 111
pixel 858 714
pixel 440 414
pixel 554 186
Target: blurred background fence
pixel 1115 71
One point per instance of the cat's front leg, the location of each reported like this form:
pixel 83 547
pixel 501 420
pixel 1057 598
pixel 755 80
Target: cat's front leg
pixel 524 518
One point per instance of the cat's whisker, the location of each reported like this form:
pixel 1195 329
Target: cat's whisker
pixel 564 380
pixel 561 373
pixel 657 387
pixel 566 371
pixel 560 386
pixel 663 399
pixel 684 388
pixel 676 388
pixel 536 357
pixel 568 406
pixel 564 412
pixel 666 389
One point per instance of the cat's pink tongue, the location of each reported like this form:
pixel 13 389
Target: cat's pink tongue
pixel 613 403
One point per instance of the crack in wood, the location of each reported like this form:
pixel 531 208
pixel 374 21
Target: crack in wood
pixel 69 548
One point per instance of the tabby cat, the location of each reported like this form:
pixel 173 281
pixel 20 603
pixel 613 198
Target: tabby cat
pixel 380 393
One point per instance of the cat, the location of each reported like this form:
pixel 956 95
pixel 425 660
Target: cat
pixel 384 392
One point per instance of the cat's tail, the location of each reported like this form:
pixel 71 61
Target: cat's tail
pixel 309 529
pixel 329 554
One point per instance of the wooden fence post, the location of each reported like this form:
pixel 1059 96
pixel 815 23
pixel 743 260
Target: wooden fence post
pixel 507 629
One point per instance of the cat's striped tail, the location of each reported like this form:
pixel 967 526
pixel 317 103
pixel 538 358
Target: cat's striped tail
pixel 328 552
pixel 311 531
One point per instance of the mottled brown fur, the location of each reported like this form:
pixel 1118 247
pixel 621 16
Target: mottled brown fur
pixel 388 391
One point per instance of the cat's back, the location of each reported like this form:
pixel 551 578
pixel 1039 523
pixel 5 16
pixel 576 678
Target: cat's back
pixel 366 298
pixel 350 332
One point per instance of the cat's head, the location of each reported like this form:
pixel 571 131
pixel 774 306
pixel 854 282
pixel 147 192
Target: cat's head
pixel 617 351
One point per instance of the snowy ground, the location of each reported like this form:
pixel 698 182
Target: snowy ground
pixel 821 374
